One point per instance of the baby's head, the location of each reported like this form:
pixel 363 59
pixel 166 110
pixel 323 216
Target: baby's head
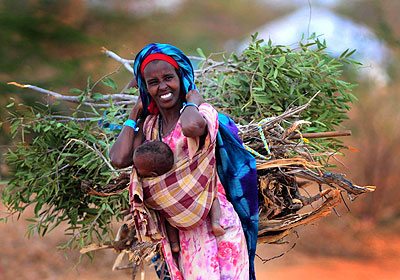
pixel 153 159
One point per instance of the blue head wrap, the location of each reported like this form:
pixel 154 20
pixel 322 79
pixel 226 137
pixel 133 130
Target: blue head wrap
pixel 185 68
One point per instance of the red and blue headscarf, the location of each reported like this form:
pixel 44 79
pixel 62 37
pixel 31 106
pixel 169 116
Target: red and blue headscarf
pixel 167 53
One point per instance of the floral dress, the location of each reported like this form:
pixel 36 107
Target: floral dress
pixel 202 255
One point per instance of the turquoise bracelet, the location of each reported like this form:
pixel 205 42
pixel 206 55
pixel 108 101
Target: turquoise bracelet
pixel 131 123
pixel 186 105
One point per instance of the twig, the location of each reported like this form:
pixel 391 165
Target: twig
pixel 65 166
pixel 105 76
pixel 122 267
pixel 94 149
pixel 126 62
pixel 336 212
pixel 82 229
pixel 13 213
pixel 71 118
pixel 105 160
pixel 289 112
pixel 275 257
pixel 344 202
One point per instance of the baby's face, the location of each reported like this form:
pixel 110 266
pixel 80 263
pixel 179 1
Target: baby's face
pixel 143 167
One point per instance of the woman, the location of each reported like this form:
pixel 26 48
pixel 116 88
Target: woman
pixel 170 109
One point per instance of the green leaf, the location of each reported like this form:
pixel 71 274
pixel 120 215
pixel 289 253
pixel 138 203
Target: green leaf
pixel 235 58
pixel 110 83
pixel 261 65
pixel 200 52
pixel 281 61
pixel 131 90
pixel 89 81
pixel 75 90
pixel 344 53
pixel 350 53
pixel 276 108
pixel 97 96
pixel 276 73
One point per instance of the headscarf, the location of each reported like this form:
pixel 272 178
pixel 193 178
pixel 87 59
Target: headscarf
pixel 184 64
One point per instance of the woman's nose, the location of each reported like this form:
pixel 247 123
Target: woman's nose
pixel 163 85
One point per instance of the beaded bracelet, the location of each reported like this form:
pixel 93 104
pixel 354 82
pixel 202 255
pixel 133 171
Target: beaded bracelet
pixel 131 123
pixel 186 105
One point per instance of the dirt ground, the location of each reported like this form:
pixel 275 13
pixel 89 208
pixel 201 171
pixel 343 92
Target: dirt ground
pixel 320 253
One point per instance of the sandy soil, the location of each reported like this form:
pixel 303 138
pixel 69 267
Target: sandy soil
pixel 375 255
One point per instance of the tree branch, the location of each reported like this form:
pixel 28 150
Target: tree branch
pixel 125 98
pixel 126 62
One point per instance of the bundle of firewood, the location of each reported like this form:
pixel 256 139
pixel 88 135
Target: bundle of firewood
pixel 293 187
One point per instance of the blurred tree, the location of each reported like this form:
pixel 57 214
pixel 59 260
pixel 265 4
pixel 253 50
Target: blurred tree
pixel 55 44
pixel 40 48
pixel 380 16
pixel 375 122
pixel 375 119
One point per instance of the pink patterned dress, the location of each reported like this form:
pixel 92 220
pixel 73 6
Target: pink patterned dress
pixel 202 255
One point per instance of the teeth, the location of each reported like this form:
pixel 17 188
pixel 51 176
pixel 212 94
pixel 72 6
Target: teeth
pixel 166 95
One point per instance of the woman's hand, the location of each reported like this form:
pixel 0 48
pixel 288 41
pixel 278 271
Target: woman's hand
pixel 193 96
pixel 136 110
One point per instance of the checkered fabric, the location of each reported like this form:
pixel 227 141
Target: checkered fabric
pixel 183 195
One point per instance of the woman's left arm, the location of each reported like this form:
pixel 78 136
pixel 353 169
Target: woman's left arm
pixel 193 123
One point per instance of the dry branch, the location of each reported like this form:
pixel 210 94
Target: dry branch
pixel 121 99
pixel 322 134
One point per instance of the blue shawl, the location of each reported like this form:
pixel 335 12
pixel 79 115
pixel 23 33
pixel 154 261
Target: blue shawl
pixel 238 174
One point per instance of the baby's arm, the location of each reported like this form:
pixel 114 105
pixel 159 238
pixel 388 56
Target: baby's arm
pixel 173 236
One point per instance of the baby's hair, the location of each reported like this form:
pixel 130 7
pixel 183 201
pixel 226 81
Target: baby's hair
pixel 161 154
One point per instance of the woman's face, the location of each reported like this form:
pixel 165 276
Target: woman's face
pixel 162 83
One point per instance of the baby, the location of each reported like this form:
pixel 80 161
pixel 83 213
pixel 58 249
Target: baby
pixel 156 158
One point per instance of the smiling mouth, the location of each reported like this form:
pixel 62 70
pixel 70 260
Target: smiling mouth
pixel 165 96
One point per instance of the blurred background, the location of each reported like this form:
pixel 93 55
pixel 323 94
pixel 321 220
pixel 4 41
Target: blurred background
pixel 56 45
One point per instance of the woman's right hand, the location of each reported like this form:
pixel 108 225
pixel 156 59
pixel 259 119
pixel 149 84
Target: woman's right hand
pixel 137 110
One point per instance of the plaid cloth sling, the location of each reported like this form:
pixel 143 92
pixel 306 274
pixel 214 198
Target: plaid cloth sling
pixel 183 195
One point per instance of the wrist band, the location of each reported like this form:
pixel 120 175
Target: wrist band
pixel 186 105
pixel 131 123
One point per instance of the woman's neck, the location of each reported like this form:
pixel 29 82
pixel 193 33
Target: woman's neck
pixel 169 119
